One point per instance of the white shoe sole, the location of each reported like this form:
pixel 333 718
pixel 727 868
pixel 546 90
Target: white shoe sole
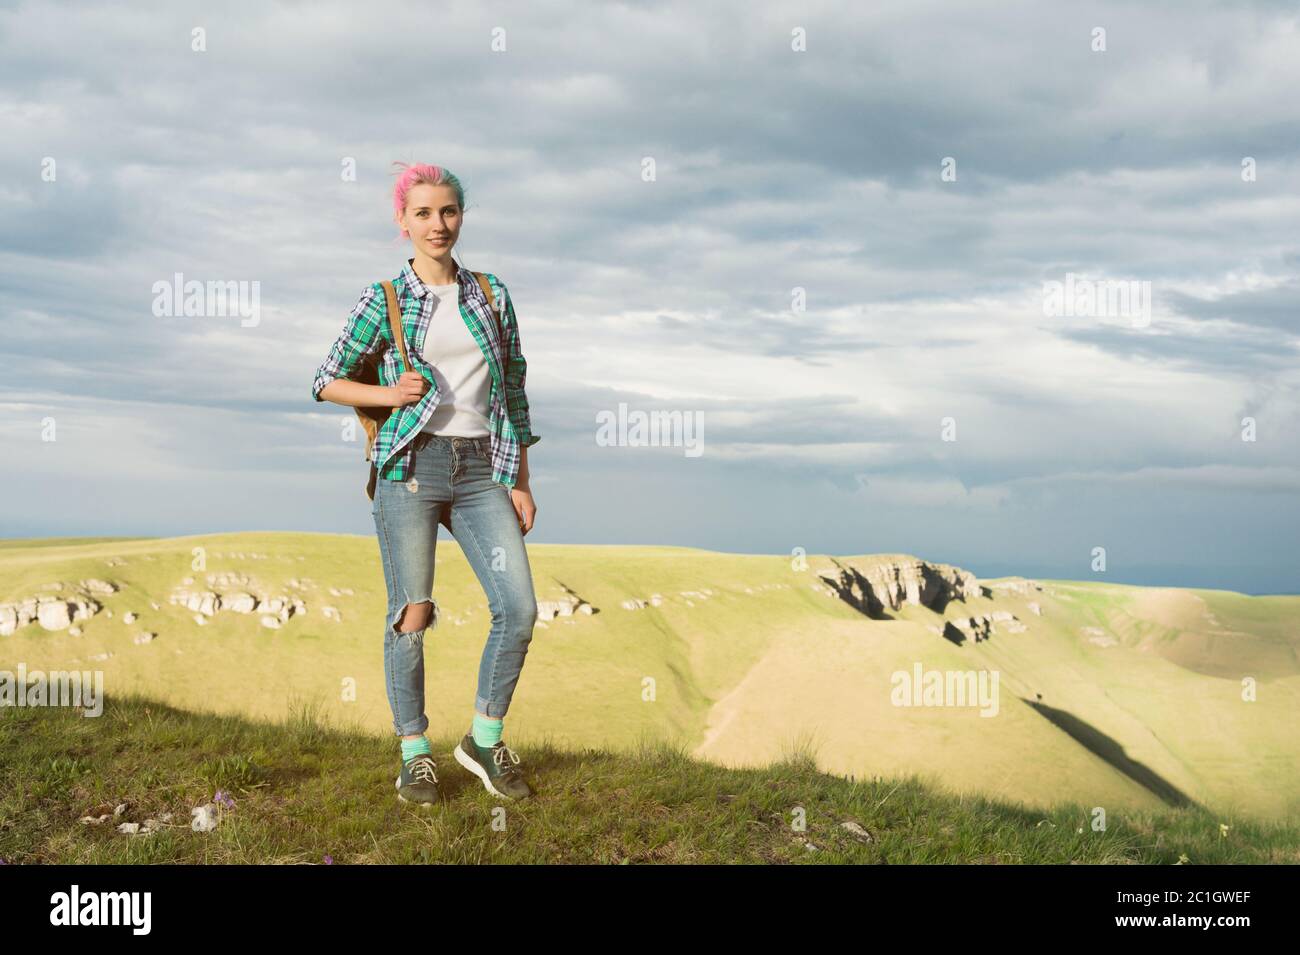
pixel 469 763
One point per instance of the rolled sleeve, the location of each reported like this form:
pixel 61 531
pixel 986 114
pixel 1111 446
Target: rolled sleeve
pixel 359 340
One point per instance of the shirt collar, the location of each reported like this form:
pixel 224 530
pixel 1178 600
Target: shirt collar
pixel 417 286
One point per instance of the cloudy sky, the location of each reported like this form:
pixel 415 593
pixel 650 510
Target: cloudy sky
pixel 824 230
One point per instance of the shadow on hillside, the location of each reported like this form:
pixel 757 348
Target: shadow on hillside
pixel 1113 753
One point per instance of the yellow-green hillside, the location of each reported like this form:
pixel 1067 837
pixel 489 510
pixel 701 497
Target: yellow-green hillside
pixel 1110 696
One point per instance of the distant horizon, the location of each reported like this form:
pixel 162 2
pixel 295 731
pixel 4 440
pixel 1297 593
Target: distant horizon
pixel 1151 578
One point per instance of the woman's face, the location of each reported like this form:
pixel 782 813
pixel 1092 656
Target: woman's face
pixel 432 219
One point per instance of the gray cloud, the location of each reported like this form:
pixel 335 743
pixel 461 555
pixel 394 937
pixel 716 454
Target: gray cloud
pixel 775 171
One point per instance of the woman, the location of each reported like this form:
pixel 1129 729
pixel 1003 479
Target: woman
pixel 455 454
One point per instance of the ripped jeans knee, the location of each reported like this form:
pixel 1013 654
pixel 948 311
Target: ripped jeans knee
pixel 401 622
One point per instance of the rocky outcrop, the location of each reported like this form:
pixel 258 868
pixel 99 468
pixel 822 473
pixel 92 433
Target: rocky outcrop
pixel 1020 586
pixel 979 628
pixel 689 597
pixel 563 607
pixel 566 604
pixel 61 609
pixel 877 586
pixel 272 610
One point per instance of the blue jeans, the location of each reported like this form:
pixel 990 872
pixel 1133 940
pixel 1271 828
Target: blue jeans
pixel 450 483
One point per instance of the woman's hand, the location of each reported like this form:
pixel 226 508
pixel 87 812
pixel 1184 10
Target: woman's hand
pixel 410 387
pixel 522 499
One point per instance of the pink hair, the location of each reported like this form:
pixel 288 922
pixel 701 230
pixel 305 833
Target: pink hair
pixel 422 173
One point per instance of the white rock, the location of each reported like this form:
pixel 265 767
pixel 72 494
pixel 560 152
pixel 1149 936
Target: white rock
pixel 271 623
pixel 146 637
pixel 59 613
pixel 53 614
pixel 239 602
pixel 856 829
pixel 550 609
pixel 204 817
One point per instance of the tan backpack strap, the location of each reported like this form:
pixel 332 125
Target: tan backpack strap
pixel 395 323
pixel 492 304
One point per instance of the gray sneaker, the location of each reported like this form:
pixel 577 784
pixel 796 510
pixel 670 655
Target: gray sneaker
pixel 497 767
pixel 418 781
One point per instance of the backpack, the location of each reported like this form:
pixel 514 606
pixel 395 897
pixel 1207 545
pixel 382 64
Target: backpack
pixel 372 417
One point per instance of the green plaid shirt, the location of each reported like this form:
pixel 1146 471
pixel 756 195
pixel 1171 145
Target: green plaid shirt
pixel 367 334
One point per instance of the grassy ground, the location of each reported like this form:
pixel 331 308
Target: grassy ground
pixel 307 792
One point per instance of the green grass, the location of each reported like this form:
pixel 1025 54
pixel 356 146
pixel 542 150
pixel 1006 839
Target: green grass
pixel 304 790
pixel 1157 709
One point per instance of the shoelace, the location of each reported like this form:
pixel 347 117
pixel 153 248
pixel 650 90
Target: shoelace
pixel 422 769
pixel 505 757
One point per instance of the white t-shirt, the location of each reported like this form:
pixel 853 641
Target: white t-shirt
pixel 464 381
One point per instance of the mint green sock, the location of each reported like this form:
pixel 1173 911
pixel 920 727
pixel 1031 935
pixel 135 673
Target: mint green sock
pixel 486 732
pixel 412 747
